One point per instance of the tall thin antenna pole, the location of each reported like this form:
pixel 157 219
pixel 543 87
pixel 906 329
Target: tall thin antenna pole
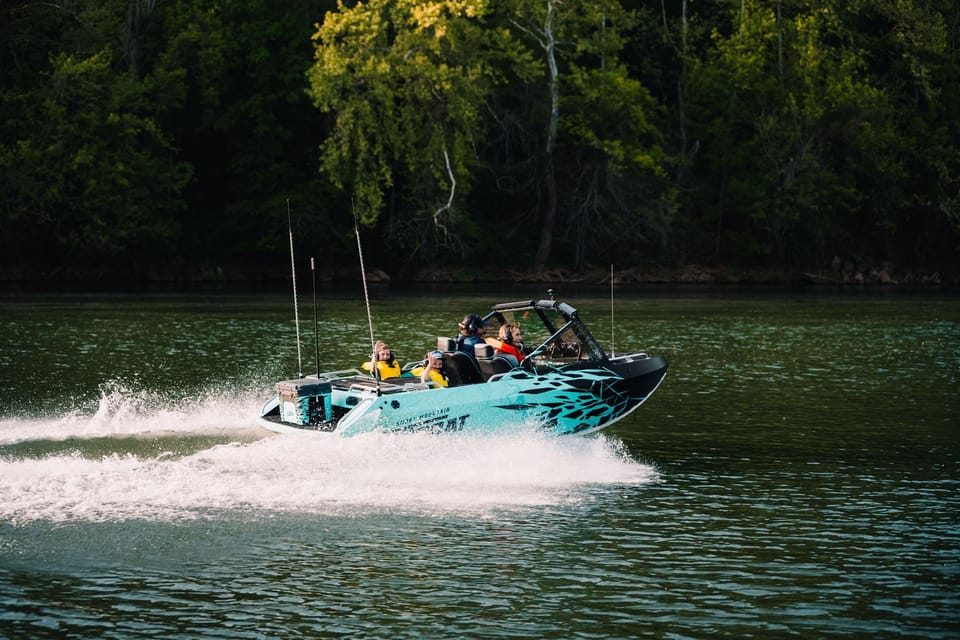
pixel 296 312
pixel 366 299
pixel 316 330
pixel 613 349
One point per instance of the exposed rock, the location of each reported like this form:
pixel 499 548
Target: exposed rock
pixel 378 276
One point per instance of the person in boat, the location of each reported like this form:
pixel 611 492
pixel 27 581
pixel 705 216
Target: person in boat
pixel 510 341
pixel 383 362
pixel 431 370
pixel 471 333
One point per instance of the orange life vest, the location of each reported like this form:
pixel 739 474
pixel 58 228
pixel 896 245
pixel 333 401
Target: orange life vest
pixel 511 350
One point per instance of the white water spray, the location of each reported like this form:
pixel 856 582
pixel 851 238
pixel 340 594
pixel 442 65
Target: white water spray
pixel 197 460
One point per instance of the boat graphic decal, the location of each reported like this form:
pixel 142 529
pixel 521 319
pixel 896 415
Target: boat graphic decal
pixel 575 399
pixel 514 407
pixel 533 391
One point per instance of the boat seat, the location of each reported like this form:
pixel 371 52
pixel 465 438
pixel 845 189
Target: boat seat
pixel 492 364
pixel 506 357
pixel 457 366
pixel 466 367
pixel 483 351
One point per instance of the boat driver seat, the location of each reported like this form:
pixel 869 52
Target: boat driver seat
pixel 490 364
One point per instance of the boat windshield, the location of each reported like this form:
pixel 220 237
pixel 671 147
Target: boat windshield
pixel 550 332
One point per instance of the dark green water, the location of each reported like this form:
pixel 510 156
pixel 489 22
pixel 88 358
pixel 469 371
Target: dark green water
pixel 796 475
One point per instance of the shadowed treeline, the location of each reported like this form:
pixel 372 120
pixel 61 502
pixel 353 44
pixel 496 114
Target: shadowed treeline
pixel 164 139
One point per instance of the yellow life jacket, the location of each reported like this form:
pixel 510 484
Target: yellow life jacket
pixel 385 370
pixel 434 375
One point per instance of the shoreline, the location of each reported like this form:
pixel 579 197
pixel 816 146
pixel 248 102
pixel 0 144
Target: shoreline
pixel 259 276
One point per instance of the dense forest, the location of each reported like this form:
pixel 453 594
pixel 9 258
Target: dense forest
pixel 175 139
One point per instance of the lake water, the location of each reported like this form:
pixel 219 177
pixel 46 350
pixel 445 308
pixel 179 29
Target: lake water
pixel 796 475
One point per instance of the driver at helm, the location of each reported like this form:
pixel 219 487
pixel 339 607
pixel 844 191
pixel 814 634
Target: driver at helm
pixel 471 333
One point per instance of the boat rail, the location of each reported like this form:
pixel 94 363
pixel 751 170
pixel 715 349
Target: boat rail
pixel 328 376
pixel 367 385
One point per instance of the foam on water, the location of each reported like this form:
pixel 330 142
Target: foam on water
pixel 123 411
pixel 260 473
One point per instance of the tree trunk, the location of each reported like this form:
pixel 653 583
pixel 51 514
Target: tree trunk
pixel 549 215
pixel 138 12
pixel 550 211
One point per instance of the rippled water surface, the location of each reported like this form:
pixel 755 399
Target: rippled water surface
pixel 796 475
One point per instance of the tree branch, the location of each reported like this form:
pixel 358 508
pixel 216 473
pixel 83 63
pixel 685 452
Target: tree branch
pixel 437 220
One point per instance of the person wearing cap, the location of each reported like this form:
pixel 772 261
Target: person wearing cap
pixel 386 365
pixel 432 369
pixel 471 333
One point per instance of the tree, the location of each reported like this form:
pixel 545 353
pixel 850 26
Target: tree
pixel 913 55
pixel 90 173
pixel 405 81
pixel 619 200
pixel 783 132
pixel 248 126
pixel 796 103
pixel 600 130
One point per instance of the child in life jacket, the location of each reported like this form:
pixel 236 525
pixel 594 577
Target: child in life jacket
pixel 432 369
pixel 384 362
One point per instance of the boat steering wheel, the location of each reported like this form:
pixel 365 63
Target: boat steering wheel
pixel 565 350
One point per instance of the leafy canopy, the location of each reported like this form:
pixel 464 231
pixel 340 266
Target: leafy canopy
pixel 405 80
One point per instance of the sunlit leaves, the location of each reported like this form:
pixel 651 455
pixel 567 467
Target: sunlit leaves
pixel 611 112
pixel 404 80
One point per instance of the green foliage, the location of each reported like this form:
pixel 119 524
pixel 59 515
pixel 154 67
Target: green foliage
pixel 620 198
pixel 247 125
pixel 91 164
pixel 169 136
pixel 607 150
pixel 808 138
pixel 405 81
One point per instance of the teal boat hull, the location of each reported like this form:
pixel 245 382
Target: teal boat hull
pixel 565 385
pixel 572 401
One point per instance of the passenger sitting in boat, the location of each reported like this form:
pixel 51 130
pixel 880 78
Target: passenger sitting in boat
pixel 511 341
pixel 432 369
pixel 386 365
pixel 471 333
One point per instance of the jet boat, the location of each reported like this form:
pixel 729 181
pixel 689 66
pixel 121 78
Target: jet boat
pixel 566 384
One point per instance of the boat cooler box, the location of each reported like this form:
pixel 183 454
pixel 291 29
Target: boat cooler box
pixel 304 402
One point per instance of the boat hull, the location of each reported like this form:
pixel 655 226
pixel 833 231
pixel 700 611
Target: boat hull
pixel 569 400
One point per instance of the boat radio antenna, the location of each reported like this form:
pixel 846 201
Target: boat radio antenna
pixel 613 349
pixel 293 273
pixel 366 300
pixel 316 330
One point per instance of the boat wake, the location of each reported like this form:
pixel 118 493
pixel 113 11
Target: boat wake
pixel 125 411
pixel 139 458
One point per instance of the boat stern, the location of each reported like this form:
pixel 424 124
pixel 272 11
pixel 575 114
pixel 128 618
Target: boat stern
pixel 304 402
